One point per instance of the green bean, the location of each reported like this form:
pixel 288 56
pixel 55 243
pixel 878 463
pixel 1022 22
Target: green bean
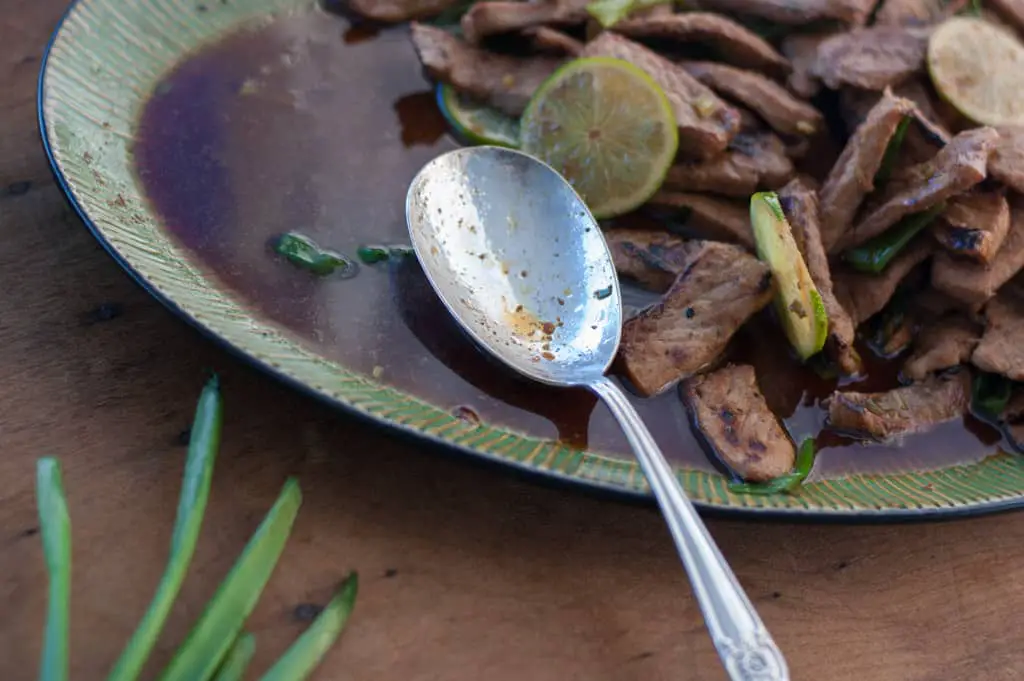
pixel 787 483
pixel 299 661
pixel 874 255
pixel 208 642
pixel 195 491
pixel 55 528
pixel 237 658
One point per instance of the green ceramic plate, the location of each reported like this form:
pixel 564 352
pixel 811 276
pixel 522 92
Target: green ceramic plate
pixel 189 134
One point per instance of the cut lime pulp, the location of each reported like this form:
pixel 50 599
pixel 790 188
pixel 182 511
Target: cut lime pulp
pixel 607 127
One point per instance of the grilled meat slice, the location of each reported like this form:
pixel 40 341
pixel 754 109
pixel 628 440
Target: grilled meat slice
pixel 902 411
pixel 974 225
pixel 731 414
pixel 732 42
pixel 720 288
pixel 772 102
pixel 754 160
pixel 853 175
pixel 506 83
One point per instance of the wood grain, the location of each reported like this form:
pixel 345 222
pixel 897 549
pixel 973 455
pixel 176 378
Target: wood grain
pixel 467 573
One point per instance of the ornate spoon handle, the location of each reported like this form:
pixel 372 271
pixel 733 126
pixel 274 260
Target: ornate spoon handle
pixel 743 643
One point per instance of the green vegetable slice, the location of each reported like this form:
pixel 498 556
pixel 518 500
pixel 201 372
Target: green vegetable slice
pixel 195 491
pixel 610 12
pixel 237 659
pixel 208 642
pixel 787 483
pixel 476 123
pixel 990 393
pixel 797 300
pixel 874 255
pixel 55 528
pixel 305 654
pixel 892 150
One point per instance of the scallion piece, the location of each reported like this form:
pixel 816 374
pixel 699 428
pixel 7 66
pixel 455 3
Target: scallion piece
pixel 195 491
pixel 208 642
pixel 299 661
pixel 55 528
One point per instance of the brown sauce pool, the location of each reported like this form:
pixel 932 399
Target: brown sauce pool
pixel 307 124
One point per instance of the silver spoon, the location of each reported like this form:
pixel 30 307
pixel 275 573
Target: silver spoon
pixel 519 261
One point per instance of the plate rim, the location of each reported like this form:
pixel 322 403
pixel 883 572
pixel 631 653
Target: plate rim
pixel 536 474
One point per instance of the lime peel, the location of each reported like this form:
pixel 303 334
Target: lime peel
pixel 476 123
pixel 607 127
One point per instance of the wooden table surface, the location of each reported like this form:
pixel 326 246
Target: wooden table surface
pixel 467 574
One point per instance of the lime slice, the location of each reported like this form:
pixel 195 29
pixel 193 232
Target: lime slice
pixel 607 127
pixel 978 67
pixel 797 299
pixel 474 122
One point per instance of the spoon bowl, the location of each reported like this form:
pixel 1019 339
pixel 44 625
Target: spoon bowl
pixel 515 256
pixel 519 261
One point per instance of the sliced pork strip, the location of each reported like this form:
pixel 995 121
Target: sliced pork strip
pixel 548 40
pixel 959 166
pixel 871 58
pixel 506 83
pixel 720 288
pixel 929 303
pixel 916 12
pixel 801 49
pixel 396 11
pixel 972 283
pixel 852 12
pixel 974 225
pixel 942 344
pixel 864 295
pixel 781 110
pixel 910 409
pixel 651 258
pixel 733 43
pixel 1006 163
pixel 853 174
pixel 1010 11
pixel 706 123
pixel 1001 350
pixel 800 204
pixel 731 414
pixel 709 217
pixel 485 19
pixel 753 161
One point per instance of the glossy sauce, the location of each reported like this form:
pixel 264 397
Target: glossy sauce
pixel 306 124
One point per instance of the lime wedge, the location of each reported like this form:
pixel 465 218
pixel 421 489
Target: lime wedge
pixel 797 300
pixel 607 127
pixel 978 67
pixel 476 123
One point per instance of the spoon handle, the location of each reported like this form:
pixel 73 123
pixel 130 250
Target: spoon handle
pixel 743 643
